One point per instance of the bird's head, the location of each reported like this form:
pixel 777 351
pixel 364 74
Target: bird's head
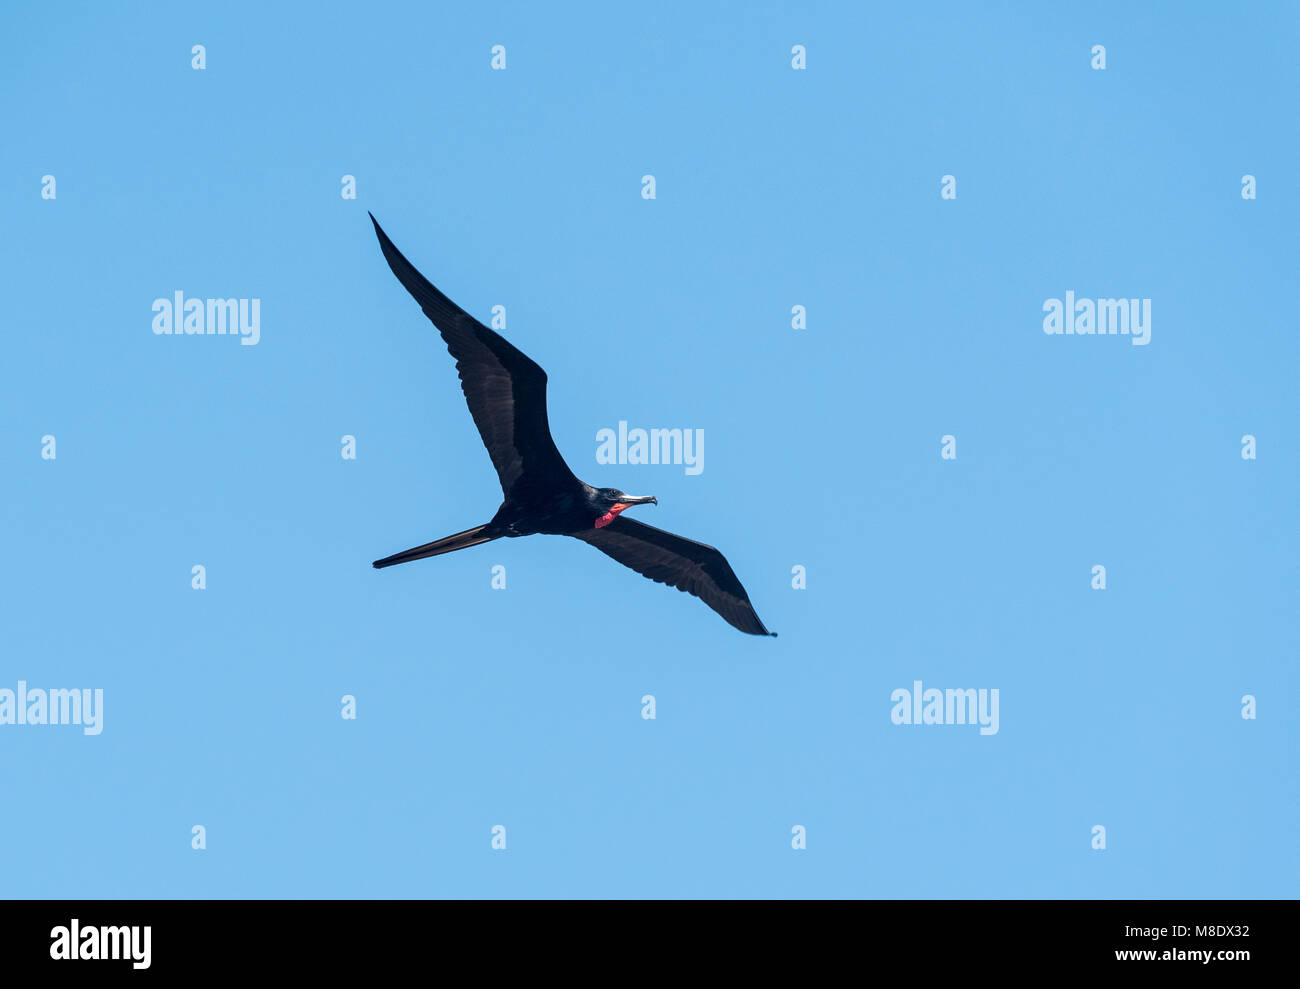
pixel 611 501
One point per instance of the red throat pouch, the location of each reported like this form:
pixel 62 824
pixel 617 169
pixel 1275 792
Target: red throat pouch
pixel 609 516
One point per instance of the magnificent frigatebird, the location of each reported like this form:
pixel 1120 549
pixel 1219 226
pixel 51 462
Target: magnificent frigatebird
pixel 506 393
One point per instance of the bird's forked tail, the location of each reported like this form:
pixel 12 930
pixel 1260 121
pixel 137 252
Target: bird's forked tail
pixel 461 540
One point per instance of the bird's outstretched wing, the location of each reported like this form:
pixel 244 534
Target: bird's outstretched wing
pixel 682 563
pixel 504 388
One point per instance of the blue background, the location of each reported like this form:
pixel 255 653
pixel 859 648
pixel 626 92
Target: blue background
pixel 775 188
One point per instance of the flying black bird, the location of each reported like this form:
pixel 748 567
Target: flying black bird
pixel 506 393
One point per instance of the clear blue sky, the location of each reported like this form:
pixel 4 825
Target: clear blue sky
pixel 775 188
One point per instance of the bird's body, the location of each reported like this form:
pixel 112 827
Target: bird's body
pixel 558 512
pixel 506 394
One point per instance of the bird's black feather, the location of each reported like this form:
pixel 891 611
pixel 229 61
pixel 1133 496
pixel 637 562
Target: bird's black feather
pixel 504 388
pixel 679 562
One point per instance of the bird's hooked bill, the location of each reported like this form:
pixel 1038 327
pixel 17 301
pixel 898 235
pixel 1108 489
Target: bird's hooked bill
pixel 623 505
